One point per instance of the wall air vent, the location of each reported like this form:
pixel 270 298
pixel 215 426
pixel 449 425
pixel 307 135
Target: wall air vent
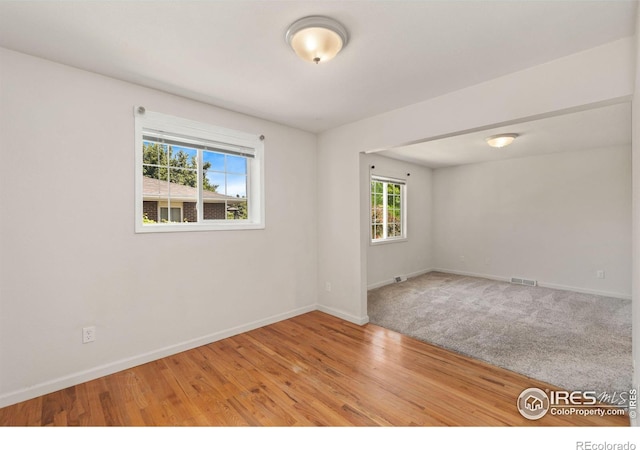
pixel 523 281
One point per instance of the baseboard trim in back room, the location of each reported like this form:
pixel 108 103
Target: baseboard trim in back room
pixel 391 280
pixel 540 283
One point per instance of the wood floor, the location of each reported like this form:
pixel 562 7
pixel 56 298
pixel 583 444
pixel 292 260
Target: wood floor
pixel 311 370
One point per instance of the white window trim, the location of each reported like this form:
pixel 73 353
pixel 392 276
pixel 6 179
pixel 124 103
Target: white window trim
pixel 403 209
pixel 255 186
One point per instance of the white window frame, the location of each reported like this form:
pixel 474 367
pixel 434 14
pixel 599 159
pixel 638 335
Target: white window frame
pixel 403 210
pixel 226 138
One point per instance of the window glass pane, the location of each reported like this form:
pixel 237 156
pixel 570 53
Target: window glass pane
pixel 214 210
pixel 374 212
pixel 207 183
pixel 155 189
pixel 379 218
pixel 236 210
pixel 155 184
pixel 212 161
pixel 390 200
pixel 377 231
pixel 216 182
pixel 183 184
pixel 377 209
pixel 390 231
pixel 183 157
pixel 149 153
pixel 377 187
pixel 396 230
pixel 236 164
pixel 176 214
pixel 237 186
pixel 154 160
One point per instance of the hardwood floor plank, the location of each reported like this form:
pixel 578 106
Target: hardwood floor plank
pixel 27 413
pixel 385 382
pixel 311 370
pixel 337 374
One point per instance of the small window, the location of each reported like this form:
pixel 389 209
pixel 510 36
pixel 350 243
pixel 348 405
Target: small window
pixel 194 176
pixel 388 211
pixel 176 214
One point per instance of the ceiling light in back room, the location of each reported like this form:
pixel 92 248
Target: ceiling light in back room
pixel 501 140
pixel 316 38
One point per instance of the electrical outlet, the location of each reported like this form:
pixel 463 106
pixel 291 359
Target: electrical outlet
pixel 88 334
pixel 462 258
pixel 327 286
pixel 600 274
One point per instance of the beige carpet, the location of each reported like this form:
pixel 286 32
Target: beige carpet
pixel 572 340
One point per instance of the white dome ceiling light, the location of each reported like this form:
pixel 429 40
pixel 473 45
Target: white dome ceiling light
pixel 316 39
pixel 501 140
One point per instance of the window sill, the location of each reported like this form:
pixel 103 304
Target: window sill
pixel 388 241
pixel 163 228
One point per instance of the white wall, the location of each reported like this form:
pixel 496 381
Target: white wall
pixel 69 256
pixel 556 218
pixel 601 74
pixel 414 255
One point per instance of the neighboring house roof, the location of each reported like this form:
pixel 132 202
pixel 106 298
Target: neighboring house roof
pixel 154 189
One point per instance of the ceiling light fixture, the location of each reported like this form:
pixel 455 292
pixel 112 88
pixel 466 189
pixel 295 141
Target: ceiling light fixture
pixel 501 140
pixel 316 38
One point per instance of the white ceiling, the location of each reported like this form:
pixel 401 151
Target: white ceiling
pixel 602 127
pixel 233 54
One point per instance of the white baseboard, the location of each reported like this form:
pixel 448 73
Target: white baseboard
pixel 30 392
pixel 473 274
pixel 344 315
pixel 391 281
pixel 585 291
pixel 540 283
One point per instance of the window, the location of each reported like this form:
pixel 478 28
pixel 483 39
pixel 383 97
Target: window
pixel 388 212
pixel 194 176
pixel 176 214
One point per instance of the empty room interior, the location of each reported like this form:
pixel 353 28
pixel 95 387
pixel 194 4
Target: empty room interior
pixel 231 226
